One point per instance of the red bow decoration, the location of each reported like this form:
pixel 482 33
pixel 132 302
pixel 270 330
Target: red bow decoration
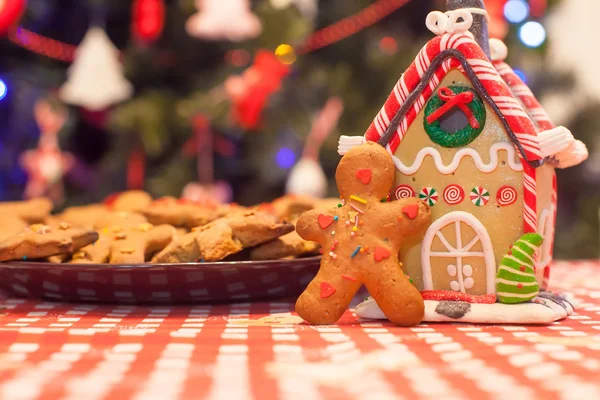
pixel 454 100
pixel 250 91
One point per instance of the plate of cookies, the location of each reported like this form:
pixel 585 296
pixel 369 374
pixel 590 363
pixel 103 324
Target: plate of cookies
pixel 135 249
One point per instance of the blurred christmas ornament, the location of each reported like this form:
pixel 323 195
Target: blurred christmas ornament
pixel 250 91
pixel 148 19
pixel 308 8
pixel 206 189
pixel 136 169
pixel 538 7
pixel 224 20
pixel 10 13
pixel 497 24
pixel 307 176
pixel 95 80
pixel 47 165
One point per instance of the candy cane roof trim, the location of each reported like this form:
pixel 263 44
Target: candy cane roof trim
pixel 521 90
pixel 557 143
pixel 418 83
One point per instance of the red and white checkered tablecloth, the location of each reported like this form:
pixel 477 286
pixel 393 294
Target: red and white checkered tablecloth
pixel 261 351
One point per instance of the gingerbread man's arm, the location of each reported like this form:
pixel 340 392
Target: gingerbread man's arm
pixel 410 216
pixel 308 226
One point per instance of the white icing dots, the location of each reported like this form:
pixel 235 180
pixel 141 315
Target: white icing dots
pixel 452 270
pixel 469 283
pixel 454 285
pixel 467 270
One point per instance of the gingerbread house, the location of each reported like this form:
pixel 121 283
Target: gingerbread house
pixel 469 138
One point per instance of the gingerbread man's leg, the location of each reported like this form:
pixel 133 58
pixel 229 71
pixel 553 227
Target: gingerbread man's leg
pixel 398 299
pixel 326 297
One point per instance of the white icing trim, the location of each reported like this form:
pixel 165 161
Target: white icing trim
pixel 527 256
pixel 453 166
pixel 515 259
pixel 526 243
pixel 347 142
pixel 515 271
pixel 457 253
pixel 517 295
pixel 574 155
pixel 498 50
pixel 457 217
pixel 556 140
pixel 515 283
pixel 454 21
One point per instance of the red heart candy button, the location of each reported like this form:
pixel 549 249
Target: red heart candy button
pixel 364 175
pixel 411 211
pixel 381 253
pixel 325 220
pixel 327 290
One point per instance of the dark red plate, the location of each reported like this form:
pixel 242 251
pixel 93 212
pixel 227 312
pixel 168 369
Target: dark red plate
pixel 159 283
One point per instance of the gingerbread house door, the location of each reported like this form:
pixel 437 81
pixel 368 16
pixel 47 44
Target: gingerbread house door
pixel 457 255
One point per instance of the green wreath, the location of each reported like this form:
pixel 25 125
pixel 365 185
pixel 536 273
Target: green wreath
pixel 462 137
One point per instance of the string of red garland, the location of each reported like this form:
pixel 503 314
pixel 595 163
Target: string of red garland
pixel 321 38
pixel 350 25
pixel 42 45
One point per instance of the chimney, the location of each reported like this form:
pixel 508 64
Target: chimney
pixel 479 28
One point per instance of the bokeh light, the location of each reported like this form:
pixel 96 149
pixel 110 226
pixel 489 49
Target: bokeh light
pixel 532 34
pixel 286 158
pixel 388 45
pixel 516 11
pixel 3 89
pixel 521 75
pixel 285 53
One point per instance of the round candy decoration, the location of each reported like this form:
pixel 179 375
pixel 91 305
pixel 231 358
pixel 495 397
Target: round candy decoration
pixel 404 191
pixel 453 194
pixel 480 196
pixel 454 116
pixel 506 196
pixel 429 195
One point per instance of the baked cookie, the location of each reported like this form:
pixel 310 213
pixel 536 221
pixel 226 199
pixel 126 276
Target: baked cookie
pixel 10 226
pixel 361 240
pixel 291 206
pixel 131 200
pixel 289 245
pixel 223 237
pixel 185 213
pixel 82 216
pixel 40 241
pixel 125 243
pixel 114 220
pixel 31 211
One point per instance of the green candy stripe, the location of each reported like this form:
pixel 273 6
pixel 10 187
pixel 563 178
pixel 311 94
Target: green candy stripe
pixel 521 255
pixel 514 262
pixel 509 275
pixel 504 288
pixel 535 239
pixel 525 248
pixel 504 274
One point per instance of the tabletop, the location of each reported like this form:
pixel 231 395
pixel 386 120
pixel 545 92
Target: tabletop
pixel 263 351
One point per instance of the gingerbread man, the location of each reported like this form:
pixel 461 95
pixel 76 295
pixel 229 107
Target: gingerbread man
pixel 361 240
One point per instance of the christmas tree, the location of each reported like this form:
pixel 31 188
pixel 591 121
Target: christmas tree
pixel 260 108
pixel 515 281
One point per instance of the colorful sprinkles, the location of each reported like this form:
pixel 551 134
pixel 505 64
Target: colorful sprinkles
pixel 357 209
pixel 356 198
pixel 355 252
